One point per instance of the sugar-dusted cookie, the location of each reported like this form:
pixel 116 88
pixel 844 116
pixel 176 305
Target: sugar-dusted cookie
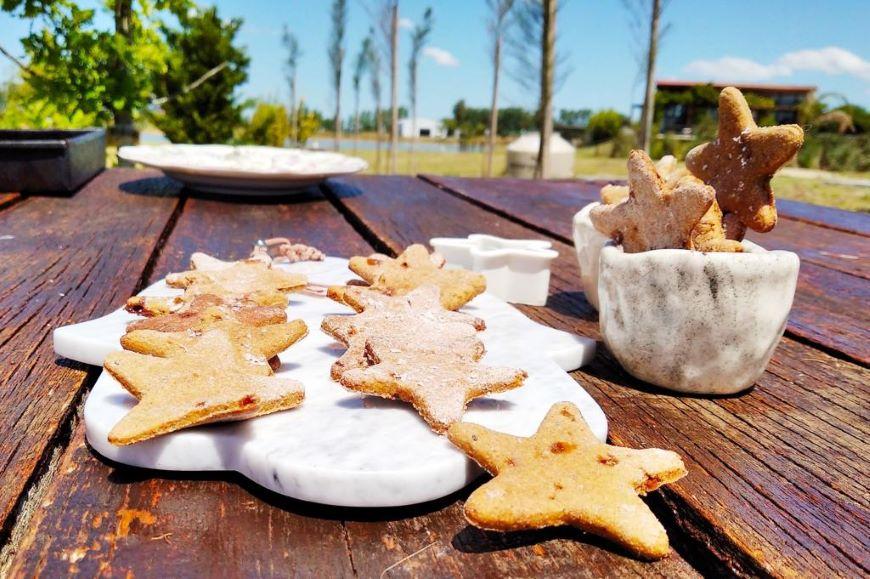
pixel 667 168
pixel 415 267
pixel 256 344
pixel 740 163
pixel 201 384
pixel 203 310
pixel 250 280
pixel 415 321
pixel 562 475
pixel 656 215
pixel 438 384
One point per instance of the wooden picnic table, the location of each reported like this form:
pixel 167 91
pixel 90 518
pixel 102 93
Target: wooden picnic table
pixel 778 476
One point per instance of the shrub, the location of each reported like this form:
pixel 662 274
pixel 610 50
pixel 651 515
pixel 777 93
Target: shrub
pixel 269 125
pixel 605 124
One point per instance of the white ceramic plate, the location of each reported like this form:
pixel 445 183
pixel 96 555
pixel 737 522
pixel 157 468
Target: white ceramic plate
pixel 246 170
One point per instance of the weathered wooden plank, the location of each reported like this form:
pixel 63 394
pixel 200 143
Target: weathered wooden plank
pixel 496 192
pixel 62 260
pixel 98 517
pixel 117 520
pixel 549 207
pixel 775 483
pixel 8 199
pixel 848 221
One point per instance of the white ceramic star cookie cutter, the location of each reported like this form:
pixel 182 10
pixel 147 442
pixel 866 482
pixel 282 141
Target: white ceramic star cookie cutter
pixel 516 270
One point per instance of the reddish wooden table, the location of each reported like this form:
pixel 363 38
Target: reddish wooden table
pixel 777 482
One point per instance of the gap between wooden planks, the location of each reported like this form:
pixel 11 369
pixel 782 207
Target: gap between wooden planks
pixel 96 517
pixel 64 259
pixel 761 481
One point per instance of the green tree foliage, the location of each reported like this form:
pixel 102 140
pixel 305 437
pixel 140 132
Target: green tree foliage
pixel 511 120
pixel 269 125
pixel 574 118
pixel 210 112
pixel 90 72
pixel 605 124
pixel 20 108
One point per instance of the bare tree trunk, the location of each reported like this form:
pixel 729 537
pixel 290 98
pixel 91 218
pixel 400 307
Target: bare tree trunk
pixel 294 115
pixel 413 121
pixel 356 122
pixel 337 120
pixel 548 63
pixel 394 85
pixel 646 120
pixel 123 132
pixel 379 124
pixel 493 110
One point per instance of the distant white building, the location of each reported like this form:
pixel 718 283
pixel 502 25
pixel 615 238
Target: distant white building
pixel 427 128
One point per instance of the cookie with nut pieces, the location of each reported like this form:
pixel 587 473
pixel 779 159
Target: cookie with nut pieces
pixel 415 267
pixel 563 475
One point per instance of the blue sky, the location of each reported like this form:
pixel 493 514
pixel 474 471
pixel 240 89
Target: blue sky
pixel 782 41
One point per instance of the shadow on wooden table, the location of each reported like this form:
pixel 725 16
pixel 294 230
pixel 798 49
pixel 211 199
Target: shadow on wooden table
pixel 474 540
pixel 164 186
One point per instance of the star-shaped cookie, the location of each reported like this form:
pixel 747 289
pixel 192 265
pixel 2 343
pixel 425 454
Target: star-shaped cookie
pixel 740 163
pixel 415 321
pixel 415 267
pixel 656 215
pixel 439 385
pixel 257 345
pixel 667 169
pixel 248 280
pixel 562 475
pixel 202 384
pixel 204 310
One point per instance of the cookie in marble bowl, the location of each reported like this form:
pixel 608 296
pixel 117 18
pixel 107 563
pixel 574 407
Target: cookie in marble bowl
pixel 695 322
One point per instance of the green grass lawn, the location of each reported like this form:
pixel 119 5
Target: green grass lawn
pixel 593 162
pixel 586 164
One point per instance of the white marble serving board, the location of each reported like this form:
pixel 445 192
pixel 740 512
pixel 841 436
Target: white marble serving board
pixel 339 447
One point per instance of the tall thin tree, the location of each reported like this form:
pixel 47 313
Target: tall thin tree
pixel 360 64
pixel 336 59
pixel 373 61
pixel 419 37
pixel 650 93
pixel 291 65
pixel 548 64
pixel 498 22
pixel 646 28
pixel 394 84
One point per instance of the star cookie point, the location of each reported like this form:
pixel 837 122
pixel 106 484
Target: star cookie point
pixel 563 475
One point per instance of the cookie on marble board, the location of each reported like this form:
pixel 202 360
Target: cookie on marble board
pixel 415 321
pixel 439 385
pixel 415 267
pixel 201 384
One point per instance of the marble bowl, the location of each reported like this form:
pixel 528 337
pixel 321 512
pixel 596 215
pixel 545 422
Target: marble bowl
pixel 588 242
pixel 702 323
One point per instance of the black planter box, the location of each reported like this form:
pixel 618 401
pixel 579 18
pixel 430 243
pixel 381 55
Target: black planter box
pixel 50 161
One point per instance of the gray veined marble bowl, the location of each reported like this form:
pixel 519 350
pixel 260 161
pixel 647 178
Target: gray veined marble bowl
pixel 588 242
pixel 703 323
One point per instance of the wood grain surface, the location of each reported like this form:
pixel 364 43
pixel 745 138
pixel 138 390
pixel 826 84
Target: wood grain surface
pixel 759 495
pixel 63 260
pixel 777 482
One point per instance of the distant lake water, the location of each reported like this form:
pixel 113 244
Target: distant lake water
pixel 348 145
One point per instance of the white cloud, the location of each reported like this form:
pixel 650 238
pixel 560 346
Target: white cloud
pixel 733 68
pixel 406 23
pixel 440 56
pixel 831 60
